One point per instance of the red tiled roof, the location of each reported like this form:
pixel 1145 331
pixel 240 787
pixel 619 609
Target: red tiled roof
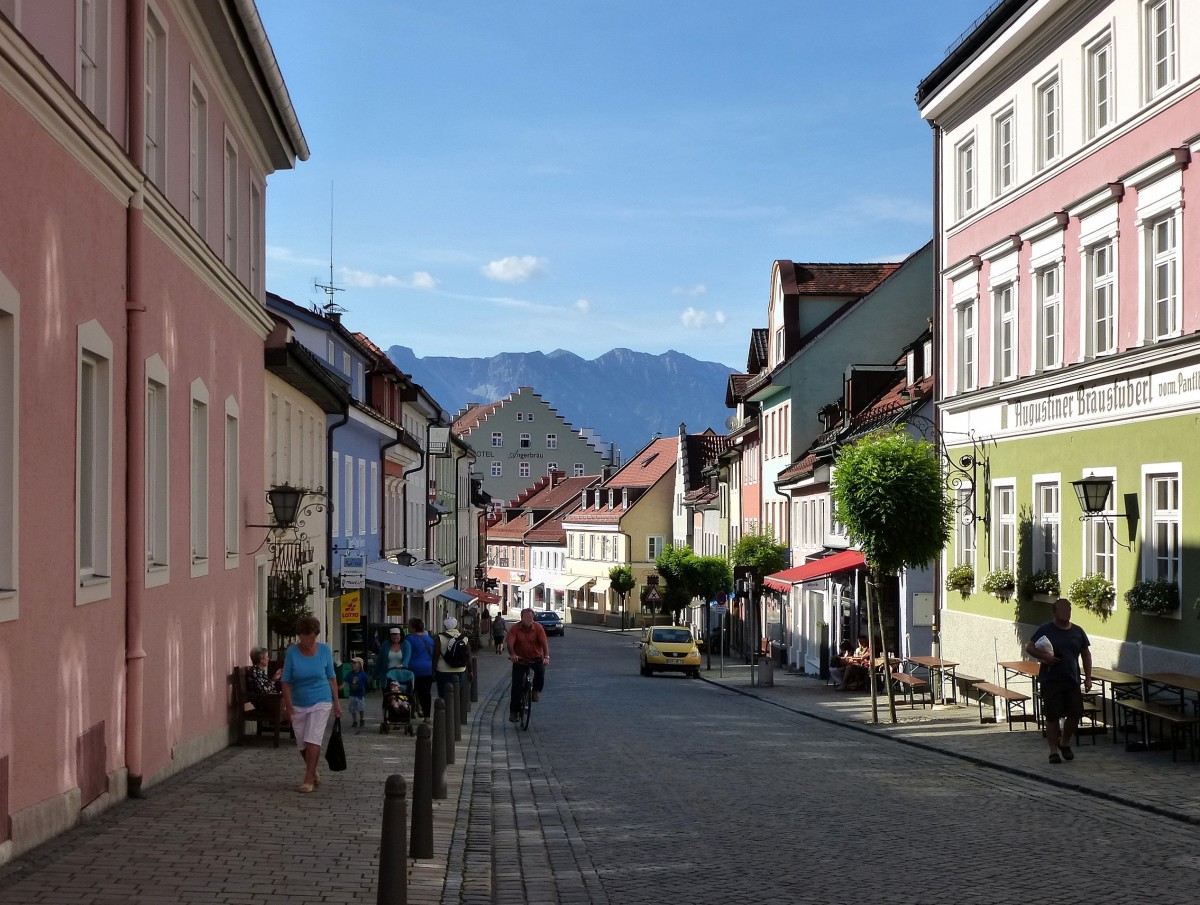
pixel 702 450
pixel 757 357
pixel 644 469
pixel 798 469
pixel 832 279
pixel 603 515
pixel 468 419
pixel 550 530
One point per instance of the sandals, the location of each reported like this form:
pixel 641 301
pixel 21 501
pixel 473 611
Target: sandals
pixel 306 788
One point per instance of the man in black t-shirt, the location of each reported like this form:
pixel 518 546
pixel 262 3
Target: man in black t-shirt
pixel 1059 677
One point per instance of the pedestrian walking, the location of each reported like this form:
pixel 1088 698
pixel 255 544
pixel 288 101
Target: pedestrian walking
pixel 499 630
pixel 356 688
pixel 310 692
pixel 452 656
pixel 418 659
pixel 1059 677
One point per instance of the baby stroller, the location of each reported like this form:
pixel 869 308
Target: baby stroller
pixel 399 703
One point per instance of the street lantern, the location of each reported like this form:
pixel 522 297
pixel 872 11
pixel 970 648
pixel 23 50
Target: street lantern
pixel 285 501
pixel 1092 493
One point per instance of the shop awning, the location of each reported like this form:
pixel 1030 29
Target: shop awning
pixel 457 596
pixel 527 590
pixel 576 583
pixel 811 571
pixel 483 596
pixel 419 581
pixel 602 585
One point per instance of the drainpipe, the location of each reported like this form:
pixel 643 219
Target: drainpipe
pixel 383 494
pixel 404 475
pixel 135 414
pixel 330 513
pixel 938 390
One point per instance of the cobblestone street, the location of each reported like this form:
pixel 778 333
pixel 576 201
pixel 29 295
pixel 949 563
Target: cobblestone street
pixel 629 789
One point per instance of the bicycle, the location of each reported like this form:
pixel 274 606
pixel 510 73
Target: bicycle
pixel 525 701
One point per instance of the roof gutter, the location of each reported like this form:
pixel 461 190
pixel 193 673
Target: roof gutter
pixel 271 72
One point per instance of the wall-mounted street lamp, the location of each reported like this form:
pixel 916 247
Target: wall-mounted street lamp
pixel 1093 494
pixel 285 501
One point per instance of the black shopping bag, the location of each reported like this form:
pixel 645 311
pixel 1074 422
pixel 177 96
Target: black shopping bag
pixel 335 753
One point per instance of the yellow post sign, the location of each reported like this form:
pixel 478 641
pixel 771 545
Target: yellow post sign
pixel 352 608
pixel 395 606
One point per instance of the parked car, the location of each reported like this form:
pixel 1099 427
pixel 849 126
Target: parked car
pixel 551 622
pixel 669 648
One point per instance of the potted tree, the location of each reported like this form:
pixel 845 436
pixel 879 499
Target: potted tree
pixel 1153 597
pixel 1042 585
pixel 1000 583
pixel 962 579
pixel 1094 593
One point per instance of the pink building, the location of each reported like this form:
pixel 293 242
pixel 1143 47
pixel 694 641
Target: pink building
pixel 137 139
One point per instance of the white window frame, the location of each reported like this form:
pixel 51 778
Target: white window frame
pixel 155 64
pixel 1004 319
pixel 199 495
pixel 1099 533
pixel 551 441
pixel 1047 523
pixel 966 194
pixel 526 441
pixel 1004 150
pixel 551 466
pixel 1152 474
pixel 497 439
pixel 10 472
pixel 1160 47
pixel 1048 292
pixel 1100 321
pixel 158 473
pixel 233 484
pixel 1101 101
pixel 348 495
pixel 1048 112
pixel 655 544
pixel 198 156
pixel 256 235
pixel 93 464
pixel 523 469
pixel 374 497
pixel 92 56
pixel 577 469
pixel 362 497
pixel 335 491
pixel 497 469
pixel 1004 531
pixel 965 541
pixel 230 176
pixel 1164 314
pixel 966 323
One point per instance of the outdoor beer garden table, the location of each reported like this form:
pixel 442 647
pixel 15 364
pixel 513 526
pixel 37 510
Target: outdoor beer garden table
pixel 1029 669
pixel 1116 686
pixel 1153 686
pixel 943 669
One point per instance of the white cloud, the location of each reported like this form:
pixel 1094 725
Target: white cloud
pixel 514 269
pixel 363 279
pixel 282 255
pixel 694 319
pixel 583 306
pixel 693 291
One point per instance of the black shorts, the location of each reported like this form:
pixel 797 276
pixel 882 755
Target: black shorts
pixel 1061 699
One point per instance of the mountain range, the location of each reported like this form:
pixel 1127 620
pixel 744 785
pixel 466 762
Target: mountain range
pixel 625 397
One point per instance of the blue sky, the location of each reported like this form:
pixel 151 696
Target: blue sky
pixel 585 174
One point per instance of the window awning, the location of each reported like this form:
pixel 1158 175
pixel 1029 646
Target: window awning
pixel 811 571
pixel 457 596
pixel 419 581
pixel 602 585
pixel 483 596
pixel 576 583
pixel 559 582
pixel 527 589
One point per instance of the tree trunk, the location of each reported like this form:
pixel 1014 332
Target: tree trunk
pixel 875 617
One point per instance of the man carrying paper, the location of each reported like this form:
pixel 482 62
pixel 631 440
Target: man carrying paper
pixel 1059 646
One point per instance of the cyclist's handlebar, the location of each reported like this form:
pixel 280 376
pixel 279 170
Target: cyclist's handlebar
pixel 523 662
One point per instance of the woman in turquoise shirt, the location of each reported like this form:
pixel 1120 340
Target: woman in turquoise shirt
pixel 310 691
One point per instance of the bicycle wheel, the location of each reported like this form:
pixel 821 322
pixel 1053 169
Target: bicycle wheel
pixel 527 704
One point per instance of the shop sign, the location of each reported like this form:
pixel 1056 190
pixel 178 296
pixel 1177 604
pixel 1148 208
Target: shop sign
pixel 352 608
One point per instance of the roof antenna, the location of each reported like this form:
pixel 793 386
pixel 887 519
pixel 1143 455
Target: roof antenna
pixel 331 307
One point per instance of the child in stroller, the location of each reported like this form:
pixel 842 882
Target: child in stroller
pixel 399 703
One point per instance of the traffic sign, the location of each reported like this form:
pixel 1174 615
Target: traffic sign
pixel 652 596
pixel 719 609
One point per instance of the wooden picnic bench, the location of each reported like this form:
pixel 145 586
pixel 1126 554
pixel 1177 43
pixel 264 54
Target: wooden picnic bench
pixel 262 709
pixel 1014 704
pixel 966 682
pixel 910 686
pixel 1139 713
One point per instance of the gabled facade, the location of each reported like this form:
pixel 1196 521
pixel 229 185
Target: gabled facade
pixel 696 492
pixel 521 438
pixel 132 331
pixel 1068 312
pixel 624 521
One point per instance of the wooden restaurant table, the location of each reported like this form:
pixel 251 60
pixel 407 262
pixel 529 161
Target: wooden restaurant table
pixel 1174 684
pixel 943 669
pixel 1116 686
pixel 1154 687
pixel 1028 669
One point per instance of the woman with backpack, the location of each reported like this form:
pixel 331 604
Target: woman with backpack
pixel 452 656
pixel 419 659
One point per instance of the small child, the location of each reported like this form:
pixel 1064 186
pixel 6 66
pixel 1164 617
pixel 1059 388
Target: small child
pixel 356 684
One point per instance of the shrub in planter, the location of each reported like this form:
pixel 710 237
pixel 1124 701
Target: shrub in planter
pixel 1153 597
pixel 1094 593
pixel 1000 583
pixel 961 578
pixel 1041 583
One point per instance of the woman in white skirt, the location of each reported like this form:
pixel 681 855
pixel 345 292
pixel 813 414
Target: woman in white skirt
pixel 310 691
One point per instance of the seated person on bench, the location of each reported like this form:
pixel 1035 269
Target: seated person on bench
pixel 839 662
pixel 857 667
pixel 258 682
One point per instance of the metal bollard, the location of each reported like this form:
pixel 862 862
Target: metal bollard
pixel 420 838
pixel 393 865
pixel 440 790
pixel 451 727
pixel 474 681
pixel 464 702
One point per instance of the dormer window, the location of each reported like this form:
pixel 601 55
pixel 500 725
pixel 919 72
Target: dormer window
pixel 779 344
pixel 910 368
pixel 610 499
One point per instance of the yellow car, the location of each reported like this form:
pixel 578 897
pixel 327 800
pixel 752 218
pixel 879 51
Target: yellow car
pixel 669 648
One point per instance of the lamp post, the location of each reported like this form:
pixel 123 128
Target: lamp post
pixel 1093 493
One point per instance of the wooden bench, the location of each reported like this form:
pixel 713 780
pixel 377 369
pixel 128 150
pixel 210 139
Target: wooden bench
pixel 1014 704
pixel 261 709
pixel 911 686
pixel 965 683
pixel 1135 712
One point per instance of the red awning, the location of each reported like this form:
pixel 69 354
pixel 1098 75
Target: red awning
pixel 811 571
pixel 483 596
